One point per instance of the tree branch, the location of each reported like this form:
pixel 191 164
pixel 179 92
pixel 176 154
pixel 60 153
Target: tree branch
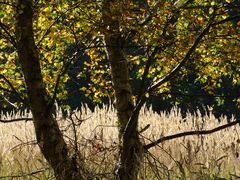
pixel 190 52
pixel 8 101
pixel 22 175
pixel 5 89
pixel 15 120
pixel 184 60
pixel 151 57
pixel 190 133
pixel 9 36
pixel 61 73
pixel 198 95
pixel 12 87
pixel 54 22
pixel 226 20
pixel 66 66
pixel 9 4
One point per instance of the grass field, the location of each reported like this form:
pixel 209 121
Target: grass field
pixel 213 156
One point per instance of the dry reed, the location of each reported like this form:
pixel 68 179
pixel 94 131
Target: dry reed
pixel 196 157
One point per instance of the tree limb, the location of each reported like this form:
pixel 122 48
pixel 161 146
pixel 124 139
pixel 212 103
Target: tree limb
pixel 226 20
pixel 5 89
pixel 15 120
pixel 12 87
pixel 151 57
pixel 189 53
pixel 9 4
pixel 184 60
pixel 65 68
pixel 198 95
pixel 61 73
pixel 22 175
pixel 9 36
pixel 8 101
pixel 190 133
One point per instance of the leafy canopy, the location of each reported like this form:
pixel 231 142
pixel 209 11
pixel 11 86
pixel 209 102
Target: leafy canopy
pixel 158 35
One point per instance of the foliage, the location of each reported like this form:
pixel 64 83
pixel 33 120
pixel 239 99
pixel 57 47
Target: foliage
pixel 157 34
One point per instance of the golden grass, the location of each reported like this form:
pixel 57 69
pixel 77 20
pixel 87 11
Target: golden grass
pixel 196 157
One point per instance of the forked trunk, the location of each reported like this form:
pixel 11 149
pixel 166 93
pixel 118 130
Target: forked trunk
pixel 49 136
pixel 130 152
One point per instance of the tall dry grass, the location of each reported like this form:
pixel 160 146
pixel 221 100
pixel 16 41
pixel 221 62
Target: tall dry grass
pixel 213 156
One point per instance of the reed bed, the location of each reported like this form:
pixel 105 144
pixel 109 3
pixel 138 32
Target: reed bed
pixel 213 156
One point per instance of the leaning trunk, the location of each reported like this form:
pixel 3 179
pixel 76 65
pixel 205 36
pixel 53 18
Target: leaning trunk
pixel 48 134
pixel 130 145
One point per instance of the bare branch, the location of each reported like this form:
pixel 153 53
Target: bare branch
pixel 190 133
pixel 8 101
pixel 22 175
pixel 16 120
pixel 198 95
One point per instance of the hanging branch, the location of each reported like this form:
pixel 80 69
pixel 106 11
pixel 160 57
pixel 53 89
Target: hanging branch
pixel 15 120
pixel 190 133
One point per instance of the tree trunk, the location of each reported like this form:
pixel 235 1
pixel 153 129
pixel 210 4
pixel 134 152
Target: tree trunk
pixel 48 134
pixel 130 151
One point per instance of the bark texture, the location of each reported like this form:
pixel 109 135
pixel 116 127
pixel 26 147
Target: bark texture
pixel 48 134
pixel 130 151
